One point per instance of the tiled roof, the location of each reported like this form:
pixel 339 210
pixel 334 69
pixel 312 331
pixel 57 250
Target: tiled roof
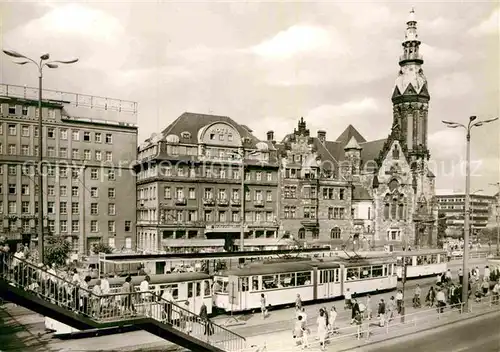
pixel 360 193
pixel 350 132
pixel 193 122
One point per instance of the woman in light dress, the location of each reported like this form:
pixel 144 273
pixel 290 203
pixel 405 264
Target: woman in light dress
pixel 331 320
pixel 322 329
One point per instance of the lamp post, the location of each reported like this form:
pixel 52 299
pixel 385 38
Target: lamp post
pixel 497 216
pixel 40 65
pixel 472 213
pixel 468 128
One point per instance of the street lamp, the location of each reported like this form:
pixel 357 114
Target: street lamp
pixel 41 64
pixel 497 184
pixel 468 128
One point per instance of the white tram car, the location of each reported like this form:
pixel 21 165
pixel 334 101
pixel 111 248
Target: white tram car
pixel 421 263
pixel 241 289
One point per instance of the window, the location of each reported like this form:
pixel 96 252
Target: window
pixel 63 207
pixel 94 227
pixel 208 215
pixel 269 196
pixel 179 193
pixel 290 192
pixel 25 131
pixel 63 134
pixel 192 216
pixel 128 226
pixel 86 154
pixel 51 208
pixel 304 278
pixel 352 273
pixel 377 271
pixel 12 130
pixel 63 171
pixel 51 152
pixel 111 242
pixel 98 155
pixel 51 113
pixel 75 173
pixel 167 193
pixel 24 110
pixel 208 193
pixel 111 226
pixel 63 191
pixel 25 190
pixel 222 216
pixel 290 211
pixel 52 226
pixel 98 137
pixel 109 138
pixel 75 135
pixel 12 170
pixel 86 136
pixel 25 207
pixel 341 194
pixel 74 191
pixel 12 207
pixel 36 132
pixel 75 154
pixel 75 226
pixel 128 245
pixel 111 209
pixel 179 215
pixel 192 193
pixel 35 150
pixel 51 170
pixel 222 194
pixel 51 132
pixel 94 209
pixel 109 156
pixel 12 188
pixel 258 176
pixel 94 174
pixel 75 208
pixel 1 207
pixel 327 193
pixel 309 212
pixel 111 175
pixel 12 149
pixel 63 153
pixel 63 225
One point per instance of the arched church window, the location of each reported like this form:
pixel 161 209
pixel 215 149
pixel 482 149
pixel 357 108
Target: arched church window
pixel 395 152
pixel 386 211
pixel 401 211
pixel 394 208
pixel 302 233
pixel 335 233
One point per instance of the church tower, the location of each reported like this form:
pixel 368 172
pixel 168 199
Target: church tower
pixel 410 97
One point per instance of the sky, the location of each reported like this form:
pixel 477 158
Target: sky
pixel 266 64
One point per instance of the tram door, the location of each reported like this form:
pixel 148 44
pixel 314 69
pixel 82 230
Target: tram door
pixel 194 296
pixel 244 292
pixel 233 292
pixel 328 279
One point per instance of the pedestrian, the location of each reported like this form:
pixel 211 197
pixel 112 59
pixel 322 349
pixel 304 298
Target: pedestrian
pixel 322 329
pixel 369 307
pixel 167 299
pixel 440 301
pixel 355 309
pixel 186 318
pixel 399 301
pixel 391 308
pixel 487 273
pixel 431 296
pixel 332 318
pixel 358 319
pixel 298 330
pixel 209 329
pixel 348 297
pixel 298 303
pixel 416 297
pixel 496 292
pixel 263 308
pixel 485 287
pixel 381 312
pixel 460 276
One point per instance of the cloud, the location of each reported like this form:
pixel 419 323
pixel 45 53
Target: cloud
pixel 439 56
pixel 447 144
pixel 300 39
pixel 488 26
pixel 451 85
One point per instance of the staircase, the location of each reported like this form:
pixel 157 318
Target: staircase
pixel 31 286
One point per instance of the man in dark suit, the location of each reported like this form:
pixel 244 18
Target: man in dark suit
pixel 209 329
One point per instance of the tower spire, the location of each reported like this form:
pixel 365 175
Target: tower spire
pixel 411 44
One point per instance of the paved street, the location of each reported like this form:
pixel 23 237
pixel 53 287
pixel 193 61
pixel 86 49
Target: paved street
pixel 474 335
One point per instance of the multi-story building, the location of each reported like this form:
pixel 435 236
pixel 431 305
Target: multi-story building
pixel 89 148
pixel 452 205
pixel 190 189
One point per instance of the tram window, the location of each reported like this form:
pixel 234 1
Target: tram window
pixel 335 278
pixel 198 289
pixel 323 277
pixel 269 282
pixel 174 290
pixel 255 283
pixel 434 259
pixel 422 260
pixel 399 261
pixel 244 284
pixel 190 289
pixel 304 278
pixel 377 271
pixel 220 286
pixel 365 272
pixel 352 273
pixel 286 280
pixel 206 287
pixel 409 261
pixel 386 271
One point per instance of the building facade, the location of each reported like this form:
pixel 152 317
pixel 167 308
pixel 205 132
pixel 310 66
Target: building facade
pixel 89 148
pixel 190 192
pixel 453 207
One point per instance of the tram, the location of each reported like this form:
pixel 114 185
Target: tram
pixel 421 263
pixel 241 289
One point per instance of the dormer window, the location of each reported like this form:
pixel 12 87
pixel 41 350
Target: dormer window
pixel 395 153
pixel 186 135
pixel 212 136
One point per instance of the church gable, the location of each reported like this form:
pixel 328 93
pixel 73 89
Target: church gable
pixel 394 164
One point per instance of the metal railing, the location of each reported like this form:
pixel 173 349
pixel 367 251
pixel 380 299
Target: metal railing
pixel 115 307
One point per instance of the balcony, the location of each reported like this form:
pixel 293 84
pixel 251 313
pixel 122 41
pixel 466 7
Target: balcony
pixel 309 222
pixel 181 201
pixel 258 203
pixel 223 202
pixel 236 202
pixel 208 201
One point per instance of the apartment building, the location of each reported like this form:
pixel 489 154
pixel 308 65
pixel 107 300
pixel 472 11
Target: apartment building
pixel 190 191
pixel 89 148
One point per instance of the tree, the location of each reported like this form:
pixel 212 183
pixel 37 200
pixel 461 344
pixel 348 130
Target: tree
pixel 102 248
pixel 57 250
pixel 442 226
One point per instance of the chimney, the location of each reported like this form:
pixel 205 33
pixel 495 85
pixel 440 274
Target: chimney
pixel 322 136
pixel 270 136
